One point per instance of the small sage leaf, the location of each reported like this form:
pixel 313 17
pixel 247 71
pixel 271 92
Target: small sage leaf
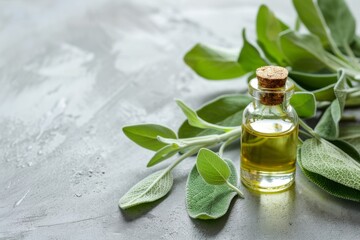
pixel 145 135
pixel 151 188
pixel 328 185
pixel 304 103
pixel 328 125
pixel 206 201
pixel 226 110
pixel 164 153
pixel 211 167
pixel 324 158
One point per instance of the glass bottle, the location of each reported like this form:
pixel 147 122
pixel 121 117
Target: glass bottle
pixel 269 132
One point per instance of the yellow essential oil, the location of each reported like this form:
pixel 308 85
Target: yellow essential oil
pixel 268 155
pixel 269 132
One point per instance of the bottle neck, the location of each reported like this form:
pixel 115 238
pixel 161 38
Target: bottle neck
pixel 279 108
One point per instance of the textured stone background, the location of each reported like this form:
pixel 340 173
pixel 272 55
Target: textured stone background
pixel 72 73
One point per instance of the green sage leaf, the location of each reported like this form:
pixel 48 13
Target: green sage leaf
pixel 304 103
pixel 250 58
pixel 339 19
pixel 328 185
pixel 328 125
pixel 304 52
pixel 163 154
pixel 147 190
pixel 145 135
pixel 207 201
pixel 310 14
pixel 225 110
pixel 211 167
pixel 268 27
pixel 324 158
pixel 212 63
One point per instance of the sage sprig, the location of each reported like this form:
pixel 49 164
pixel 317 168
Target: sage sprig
pixel 324 64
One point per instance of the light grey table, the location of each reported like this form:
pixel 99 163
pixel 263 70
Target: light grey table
pixel 72 73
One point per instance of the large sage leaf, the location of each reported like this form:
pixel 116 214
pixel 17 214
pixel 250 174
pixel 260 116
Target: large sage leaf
pixel 328 185
pixel 304 52
pixel 339 19
pixel 310 14
pixel 250 58
pixel 149 189
pixel 329 161
pixel 268 27
pixel 304 104
pixel 328 125
pixel 225 110
pixel 213 64
pixel 206 201
pixel 145 135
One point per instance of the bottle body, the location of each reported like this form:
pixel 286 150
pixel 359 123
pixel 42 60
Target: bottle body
pixel 268 143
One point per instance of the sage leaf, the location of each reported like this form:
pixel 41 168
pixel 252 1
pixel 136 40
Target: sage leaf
pixel 250 58
pixel 339 19
pixel 328 185
pixel 226 110
pixel 313 81
pixel 304 52
pixel 145 135
pixel 211 167
pixel 324 158
pixel 163 154
pixel 151 188
pixel 328 125
pixel 304 104
pixel 206 201
pixel 268 27
pixel 195 121
pixel 310 15
pixel 212 63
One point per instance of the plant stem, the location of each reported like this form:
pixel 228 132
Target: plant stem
pixel 308 129
pixel 225 144
pixel 235 189
pixel 182 157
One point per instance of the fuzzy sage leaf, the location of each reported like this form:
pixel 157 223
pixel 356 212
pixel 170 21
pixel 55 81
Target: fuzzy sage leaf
pixel 207 201
pixel 214 170
pixel 324 158
pixel 149 189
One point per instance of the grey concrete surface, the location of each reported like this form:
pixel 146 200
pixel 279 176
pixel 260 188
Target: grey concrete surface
pixel 72 73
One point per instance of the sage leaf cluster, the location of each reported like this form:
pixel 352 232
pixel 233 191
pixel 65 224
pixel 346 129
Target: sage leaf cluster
pixel 323 63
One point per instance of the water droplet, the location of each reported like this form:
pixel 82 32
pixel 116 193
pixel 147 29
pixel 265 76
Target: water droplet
pixel 29 164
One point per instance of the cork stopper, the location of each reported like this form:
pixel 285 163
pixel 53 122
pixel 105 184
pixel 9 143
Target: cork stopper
pixel 271 78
